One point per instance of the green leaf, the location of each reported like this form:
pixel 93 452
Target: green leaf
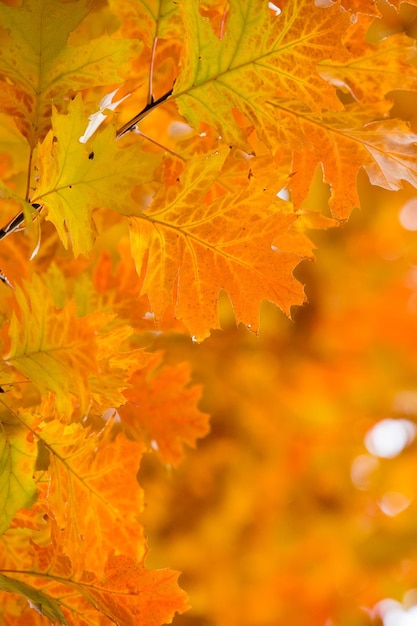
pixel 17 465
pixel 45 605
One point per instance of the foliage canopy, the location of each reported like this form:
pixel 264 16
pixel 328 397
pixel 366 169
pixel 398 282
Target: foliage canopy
pixel 175 167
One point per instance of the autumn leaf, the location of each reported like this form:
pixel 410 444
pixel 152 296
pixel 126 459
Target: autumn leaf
pixel 372 71
pixel 18 455
pixel 123 592
pixel 254 62
pixel 136 258
pixel 87 503
pixel 153 19
pixel 74 180
pixel 37 66
pixel 39 351
pixel 191 250
pixel 168 420
pixel 385 149
pixel 129 593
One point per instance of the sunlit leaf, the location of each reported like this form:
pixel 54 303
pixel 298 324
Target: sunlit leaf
pixel 260 56
pixel 168 420
pixel 37 66
pixel 85 474
pixel 74 180
pixel 192 250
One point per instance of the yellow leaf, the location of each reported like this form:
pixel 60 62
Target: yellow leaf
pixel 374 70
pixel 17 465
pixel 38 67
pixel 75 179
pixel 261 56
pixel 52 348
pixel 151 18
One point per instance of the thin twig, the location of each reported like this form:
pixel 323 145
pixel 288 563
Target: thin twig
pixel 16 221
pixel 142 114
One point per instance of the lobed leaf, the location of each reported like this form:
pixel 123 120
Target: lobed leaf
pixel 75 179
pixel 93 491
pixel 51 347
pixel 261 56
pixel 343 143
pixel 162 409
pixel 374 70
pixel 191 249
pixel 38 67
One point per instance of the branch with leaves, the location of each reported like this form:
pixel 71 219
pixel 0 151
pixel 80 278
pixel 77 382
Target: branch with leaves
pixel 153 225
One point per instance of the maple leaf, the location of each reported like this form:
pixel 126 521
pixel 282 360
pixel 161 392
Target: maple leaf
pixel 191 250
pixel 36 70
pixel 18 455
pixel 254 62
pixel 74 180
pixel 163 409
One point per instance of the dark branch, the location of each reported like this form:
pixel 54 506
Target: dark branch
pixel 135 120
pixel 15 222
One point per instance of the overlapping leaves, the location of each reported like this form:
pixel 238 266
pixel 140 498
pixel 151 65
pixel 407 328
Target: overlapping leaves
pixel 275 93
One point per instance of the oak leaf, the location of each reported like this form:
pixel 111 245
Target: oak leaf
pixel 344 142
pixel 122 591
pixel 374 70
pixel 51 347
pixel 191 250
pixel 37 66
pixel 85 473
pixel 162 409
pixel 129 594
pixel 261 56
pixel 151 19
pixel 74 180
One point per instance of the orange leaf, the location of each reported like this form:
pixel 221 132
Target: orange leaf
pixel 192 249
pixel 260 56
pixel 85 474
pixel 129 594
pixel 165 409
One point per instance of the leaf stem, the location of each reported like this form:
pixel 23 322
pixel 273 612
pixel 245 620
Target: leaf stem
pixel 27 195
pixel 150 87
pixel 160 145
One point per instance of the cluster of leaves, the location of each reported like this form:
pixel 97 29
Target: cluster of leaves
pixel 241 125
